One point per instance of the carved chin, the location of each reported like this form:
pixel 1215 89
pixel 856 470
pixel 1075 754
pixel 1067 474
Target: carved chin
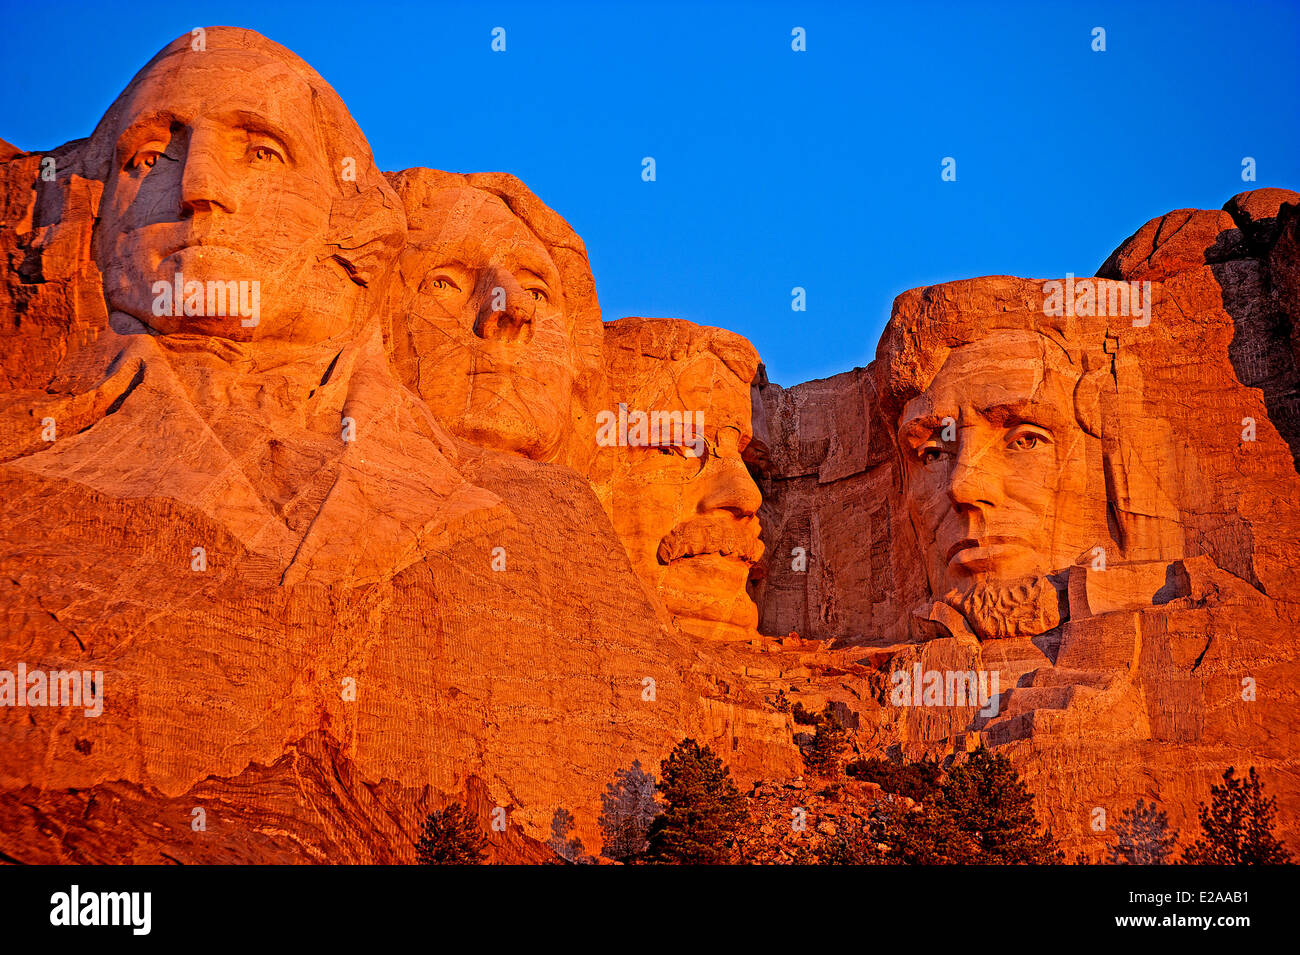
pixel 504 411
pixel 706 594
pixel 1025 607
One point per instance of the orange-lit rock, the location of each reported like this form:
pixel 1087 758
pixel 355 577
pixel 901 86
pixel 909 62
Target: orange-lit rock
pixel 493 314
pixel 672 468
pixel 379 537
pixel 260 536
pixel 1172 448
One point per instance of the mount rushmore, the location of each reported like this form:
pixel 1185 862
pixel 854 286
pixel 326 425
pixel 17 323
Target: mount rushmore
pixel 339 489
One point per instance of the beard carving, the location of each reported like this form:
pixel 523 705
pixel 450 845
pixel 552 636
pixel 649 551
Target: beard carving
pixel 1025 607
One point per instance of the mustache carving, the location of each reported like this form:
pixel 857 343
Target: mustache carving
pixel 708 537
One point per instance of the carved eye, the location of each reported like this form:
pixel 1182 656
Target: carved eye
pixel 1027 441
pixel 265 153
pixel 145 158
pixel 930 454
pixel 669 450
pixel 539 295
pixel 672 463
pixel 442 282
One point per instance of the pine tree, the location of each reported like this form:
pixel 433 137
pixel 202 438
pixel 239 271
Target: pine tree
pixel 628 807
pixel 823 755
pixel 563 843
pixel 804 716
pixel 986 799
pixel 1237 826
pixel 703 811
pixel 449 837
pixel 1142 837
pixel 918 780
pixel 983 814
pixel 851 845
pixel 928 835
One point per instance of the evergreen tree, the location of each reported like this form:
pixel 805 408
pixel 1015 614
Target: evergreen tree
pixel 983 814
pixel 804 716
pixel 1142 837
pixel 986 799
pixel 449 837
pixel 851 845
pixel 628 807
pixel 823 755
pixel 703 813
pixel 919 780
pixel 561 843
pixel 1237 826
pixel 927 835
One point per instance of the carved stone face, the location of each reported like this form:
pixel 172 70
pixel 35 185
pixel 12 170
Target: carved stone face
pixel 1003 494
pixel 690 522
pixel 479 324
pixel 218 173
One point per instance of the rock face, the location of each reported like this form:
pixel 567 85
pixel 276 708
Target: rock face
pixel 259 542
pixel 673 469
pixel 1109 523
pixel 332 500
pixel 493 314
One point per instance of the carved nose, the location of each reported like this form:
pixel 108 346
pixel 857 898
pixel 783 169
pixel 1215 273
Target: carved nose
pixel 204 186
pixel 972 482
pixel 505 310
pixel 730 487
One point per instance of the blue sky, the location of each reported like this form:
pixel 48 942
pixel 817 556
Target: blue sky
pixel 775 169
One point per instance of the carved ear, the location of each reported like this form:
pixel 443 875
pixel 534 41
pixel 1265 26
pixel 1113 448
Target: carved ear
pixel 366 231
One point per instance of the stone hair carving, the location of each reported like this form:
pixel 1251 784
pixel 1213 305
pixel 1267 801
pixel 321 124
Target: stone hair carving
pixel 408 525
pixel 1011 608
pixel 234 174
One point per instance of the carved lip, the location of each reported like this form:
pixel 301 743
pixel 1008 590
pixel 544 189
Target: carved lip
pixel 203 242
pixel 969 543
